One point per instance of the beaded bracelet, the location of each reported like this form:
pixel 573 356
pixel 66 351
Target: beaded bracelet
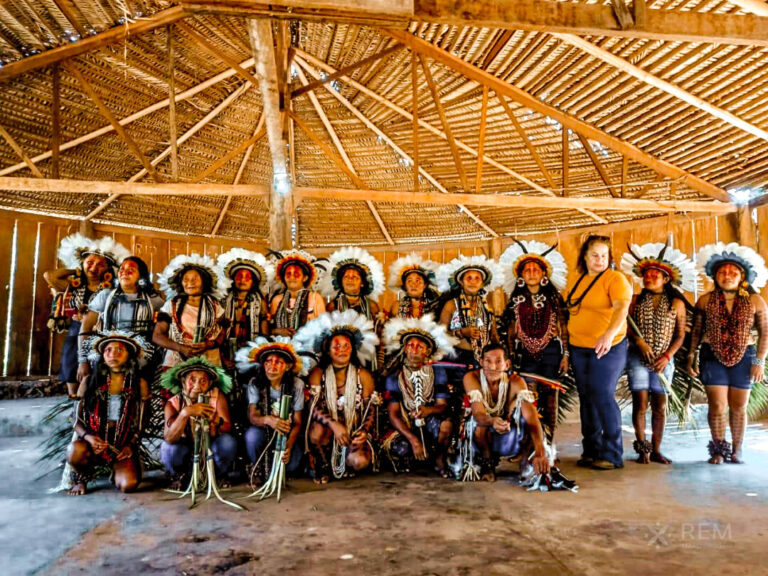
pixel 758 362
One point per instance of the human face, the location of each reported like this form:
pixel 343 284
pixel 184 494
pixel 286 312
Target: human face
pixel 128 275
pixel 597 257
pixel 416 351
pixel 115 355
pixel 654 280
pixel 340 351
pixel 192 283
pixel 351 282
pixel 294 277
pixel 274 367
pixel 494 363
pixel 94 267
pixel 532 274
pixel 243 280
pixel 196 382
pixel 415 285
pixel 471 282
pixel 728 277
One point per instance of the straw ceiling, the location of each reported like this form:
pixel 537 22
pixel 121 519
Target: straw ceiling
pixel 656 114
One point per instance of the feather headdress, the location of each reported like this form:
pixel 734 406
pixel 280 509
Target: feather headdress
pixel 169 279
pixel 171 379
pixel 370 269
pixel 398 330
pixel 76 247
pixel 449 275
pixel 712 256
pixel 136 345
pixel 680 269
pixel 238 258
pixel 304 260
pixel 312 336
pixel 404 265
pixel 523 251
pixel 255 352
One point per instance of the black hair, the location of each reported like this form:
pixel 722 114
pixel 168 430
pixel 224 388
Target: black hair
pixel 144 283
pixel 494 346
pixel 325 355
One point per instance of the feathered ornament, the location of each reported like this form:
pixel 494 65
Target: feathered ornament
pixel 170 278
pixel 238 258
pixel 404 265
pixel 76 247
pixel 171 378
pixel 370 269
pixel 311 336
pixel 137 345
pixel 300 258
pixel 681 269
pixel 253 353
pixel 398 330
pixel 449 274
pixel 518 254
pixel 711 256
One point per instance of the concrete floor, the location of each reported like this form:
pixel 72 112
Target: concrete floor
pixel 691 517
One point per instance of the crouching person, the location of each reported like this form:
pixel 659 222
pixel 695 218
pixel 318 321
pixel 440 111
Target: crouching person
pixel 111 415
pixel 199 389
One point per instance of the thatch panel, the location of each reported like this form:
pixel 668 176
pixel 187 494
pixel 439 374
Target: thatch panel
pixel 410 224
pixel 56 204
pixel 336 224
pixel 246 218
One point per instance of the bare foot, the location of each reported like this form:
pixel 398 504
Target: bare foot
pixel 643 459
pixel 736 458
pixel 716 459
pixel 659 458
pixel 322 479
pixel 489 476
pixel 77 490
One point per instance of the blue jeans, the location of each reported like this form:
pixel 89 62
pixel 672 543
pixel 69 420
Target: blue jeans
pixel 596 381
pixel 256 438
pixel 641 378
pixel 713 373
pixel 549 363
pixel 177 458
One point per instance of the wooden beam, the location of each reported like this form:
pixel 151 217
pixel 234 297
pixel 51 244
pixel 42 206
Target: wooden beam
pixel 56 122
pixel 624 176
pixel 527 141
pixel 566 159
pixel 498 45
pixel 322 65
pixel 172 108
pixel 481 142
pixel 238 176
pixel 69 10
pixel 375 129
pixel 754 6
pixel 663 85
pixel 604 176
pixel 343 154
pixel 527 201
pixel 623 15
pixel 346 70
pixel 112 120
pixel 568 121
pixel 415 122
pixel 189 93
pixel 89 43
pixel 531 15
pixel 281 204
pixel 20 152
pixel 446 126
pixel 244 145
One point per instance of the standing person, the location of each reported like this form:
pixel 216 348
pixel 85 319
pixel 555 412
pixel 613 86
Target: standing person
pixel 112 415
pixel 245 308
pixel 130 307
pixel 414 280
pixel 190 323
pixel 274 369
pixel 659 317
pixel 417 394
pixel 89 266
pixel 341 415
pixel 598 300
pixel 535 318
pixel 465 282
pixel 296 303
pixel 729 360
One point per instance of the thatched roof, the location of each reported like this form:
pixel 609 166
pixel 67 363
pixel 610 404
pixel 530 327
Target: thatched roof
pixel 679 118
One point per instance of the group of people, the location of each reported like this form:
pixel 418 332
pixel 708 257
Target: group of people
pixel 287 346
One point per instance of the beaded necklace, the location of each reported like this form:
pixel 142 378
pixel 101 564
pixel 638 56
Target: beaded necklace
pixel 491 408
pixel 416 386
pixel 728 333
pixel 656 324
pixel 536 322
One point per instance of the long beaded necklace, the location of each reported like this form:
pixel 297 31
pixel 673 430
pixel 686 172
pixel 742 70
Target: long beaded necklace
pixel 416 386
pixel 656 324
pixel 536 322
pixel 491 408
pixel 728 333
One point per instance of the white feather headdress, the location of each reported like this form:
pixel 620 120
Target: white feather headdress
pixel 370 270
pixel 311 336
pixel 397 330
pixel 712 255
pixel 169 279
pixel 253 353
pixel 74 248
pixel 681 269
pixel 412 263
pixel 237 258
pixel 448 274
pixel 141 348
pixel 517 254
pixel 304 260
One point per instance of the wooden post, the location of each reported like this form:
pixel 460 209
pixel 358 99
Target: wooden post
pixel 745 227
pixel 497 296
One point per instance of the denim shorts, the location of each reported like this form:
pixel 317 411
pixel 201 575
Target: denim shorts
pixel 713 373
pixel 642 378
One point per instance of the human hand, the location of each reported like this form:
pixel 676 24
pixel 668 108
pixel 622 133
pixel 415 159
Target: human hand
pixel 645 351
pixel 286 455
pixel 125 453
pixel 500 425
pixel 276 423
pixel 340 433
pixel 603 345
pixel 660 363
pixel 205 411
pixel 83 371
pixel 419 451
pixel 540 464
pixel 691 368
pixel 97 444
pixel 360 438
pixel 756 373
pixel 563 366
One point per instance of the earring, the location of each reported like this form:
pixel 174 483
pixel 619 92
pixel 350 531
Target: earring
pixel 520 282
pixel 544 281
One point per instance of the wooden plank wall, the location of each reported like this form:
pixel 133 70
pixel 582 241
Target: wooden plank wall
pixel 29 348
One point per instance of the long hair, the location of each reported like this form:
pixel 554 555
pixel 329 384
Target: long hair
pixel 672 293
pixel 581 262
pixel 100 370
pixel 325 356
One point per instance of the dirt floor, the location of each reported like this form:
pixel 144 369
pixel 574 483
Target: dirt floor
pixel 691 517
